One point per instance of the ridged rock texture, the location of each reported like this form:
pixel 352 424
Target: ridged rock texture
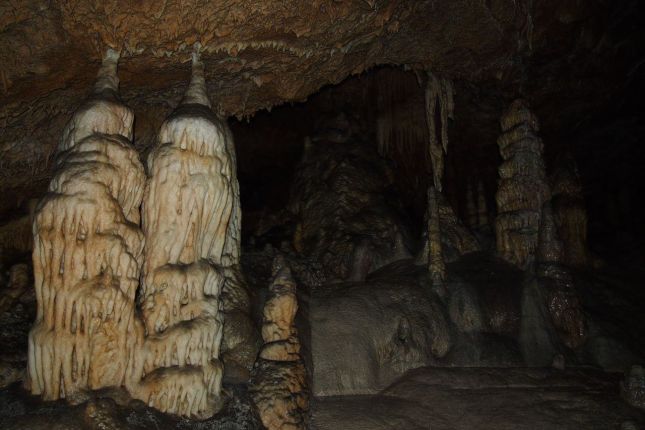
pixel 453 237
pixel 191 222
pixel 347 220
pixel 523 188
pixel 279 378
pixel 88 251
pixel 570 215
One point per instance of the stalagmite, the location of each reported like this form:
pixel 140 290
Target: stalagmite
pixel 570 215
pixel 523 189
pixel 278 382
pixel 88 251
pixel 562 300
pixel 191 222
pixel 455 239
pixel 436 265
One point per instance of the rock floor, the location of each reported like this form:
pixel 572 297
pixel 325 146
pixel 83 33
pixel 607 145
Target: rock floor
pixel 485 398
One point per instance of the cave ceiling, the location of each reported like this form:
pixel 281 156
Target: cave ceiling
pixel 260 54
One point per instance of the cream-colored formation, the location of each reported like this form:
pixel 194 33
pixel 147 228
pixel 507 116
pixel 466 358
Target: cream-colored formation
pixel 89 252
pixel 88 249
pixel 523 188
pixel 278 381
pixel 191 222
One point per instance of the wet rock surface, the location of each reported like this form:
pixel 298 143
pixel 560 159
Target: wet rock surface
pixel 484 398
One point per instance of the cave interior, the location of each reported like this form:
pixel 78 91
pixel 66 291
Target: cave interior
pixel 335 214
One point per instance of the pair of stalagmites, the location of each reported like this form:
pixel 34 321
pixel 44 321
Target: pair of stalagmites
pixel 103 227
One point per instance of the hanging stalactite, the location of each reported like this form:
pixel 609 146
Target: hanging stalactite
pixel 438 94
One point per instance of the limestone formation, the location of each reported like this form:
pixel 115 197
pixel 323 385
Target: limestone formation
pixel 436 265
pixel 562 300
pixel 523 188
pixel 476 206
pixel 633 387
pixel 438 94
pixel 570 215
pixel 347 220
pixel 278 381
pixel 455 239
pixel 88 251
pixel 191 222
pixel 19 277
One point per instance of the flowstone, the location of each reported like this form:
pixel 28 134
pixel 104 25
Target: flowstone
pixel 88 251
pixel 191 225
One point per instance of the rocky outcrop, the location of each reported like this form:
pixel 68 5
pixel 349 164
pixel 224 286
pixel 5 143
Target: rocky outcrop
pixel 632 388
pixel 340 195
pixel 278 383
pixel 523 188
pixel 88 251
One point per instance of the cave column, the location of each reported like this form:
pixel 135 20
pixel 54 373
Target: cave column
pixel 438 94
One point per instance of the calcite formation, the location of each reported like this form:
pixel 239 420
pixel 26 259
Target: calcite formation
pixel 436 265
pixel 191 222
pixel 523 188
pixel 88 251
pixel 340 196
pixel 570 215
pixel 454 239
pixel 562 300
pixel 278 381
pixel 476 206
pixel 438 94
pixel 632 387
pixel 17 285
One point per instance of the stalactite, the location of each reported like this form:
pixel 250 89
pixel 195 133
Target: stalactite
pixel 438 93
pixel 87 252
pixel 191 224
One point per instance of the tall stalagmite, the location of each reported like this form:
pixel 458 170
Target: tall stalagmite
pixel 88 251
pixel 279 380
pixel 523 188
pixel 191 221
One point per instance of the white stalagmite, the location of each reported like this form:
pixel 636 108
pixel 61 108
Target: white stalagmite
pixel 88 251
pixel 191 222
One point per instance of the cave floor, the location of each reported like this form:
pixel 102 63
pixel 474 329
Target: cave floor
pixel 485 398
